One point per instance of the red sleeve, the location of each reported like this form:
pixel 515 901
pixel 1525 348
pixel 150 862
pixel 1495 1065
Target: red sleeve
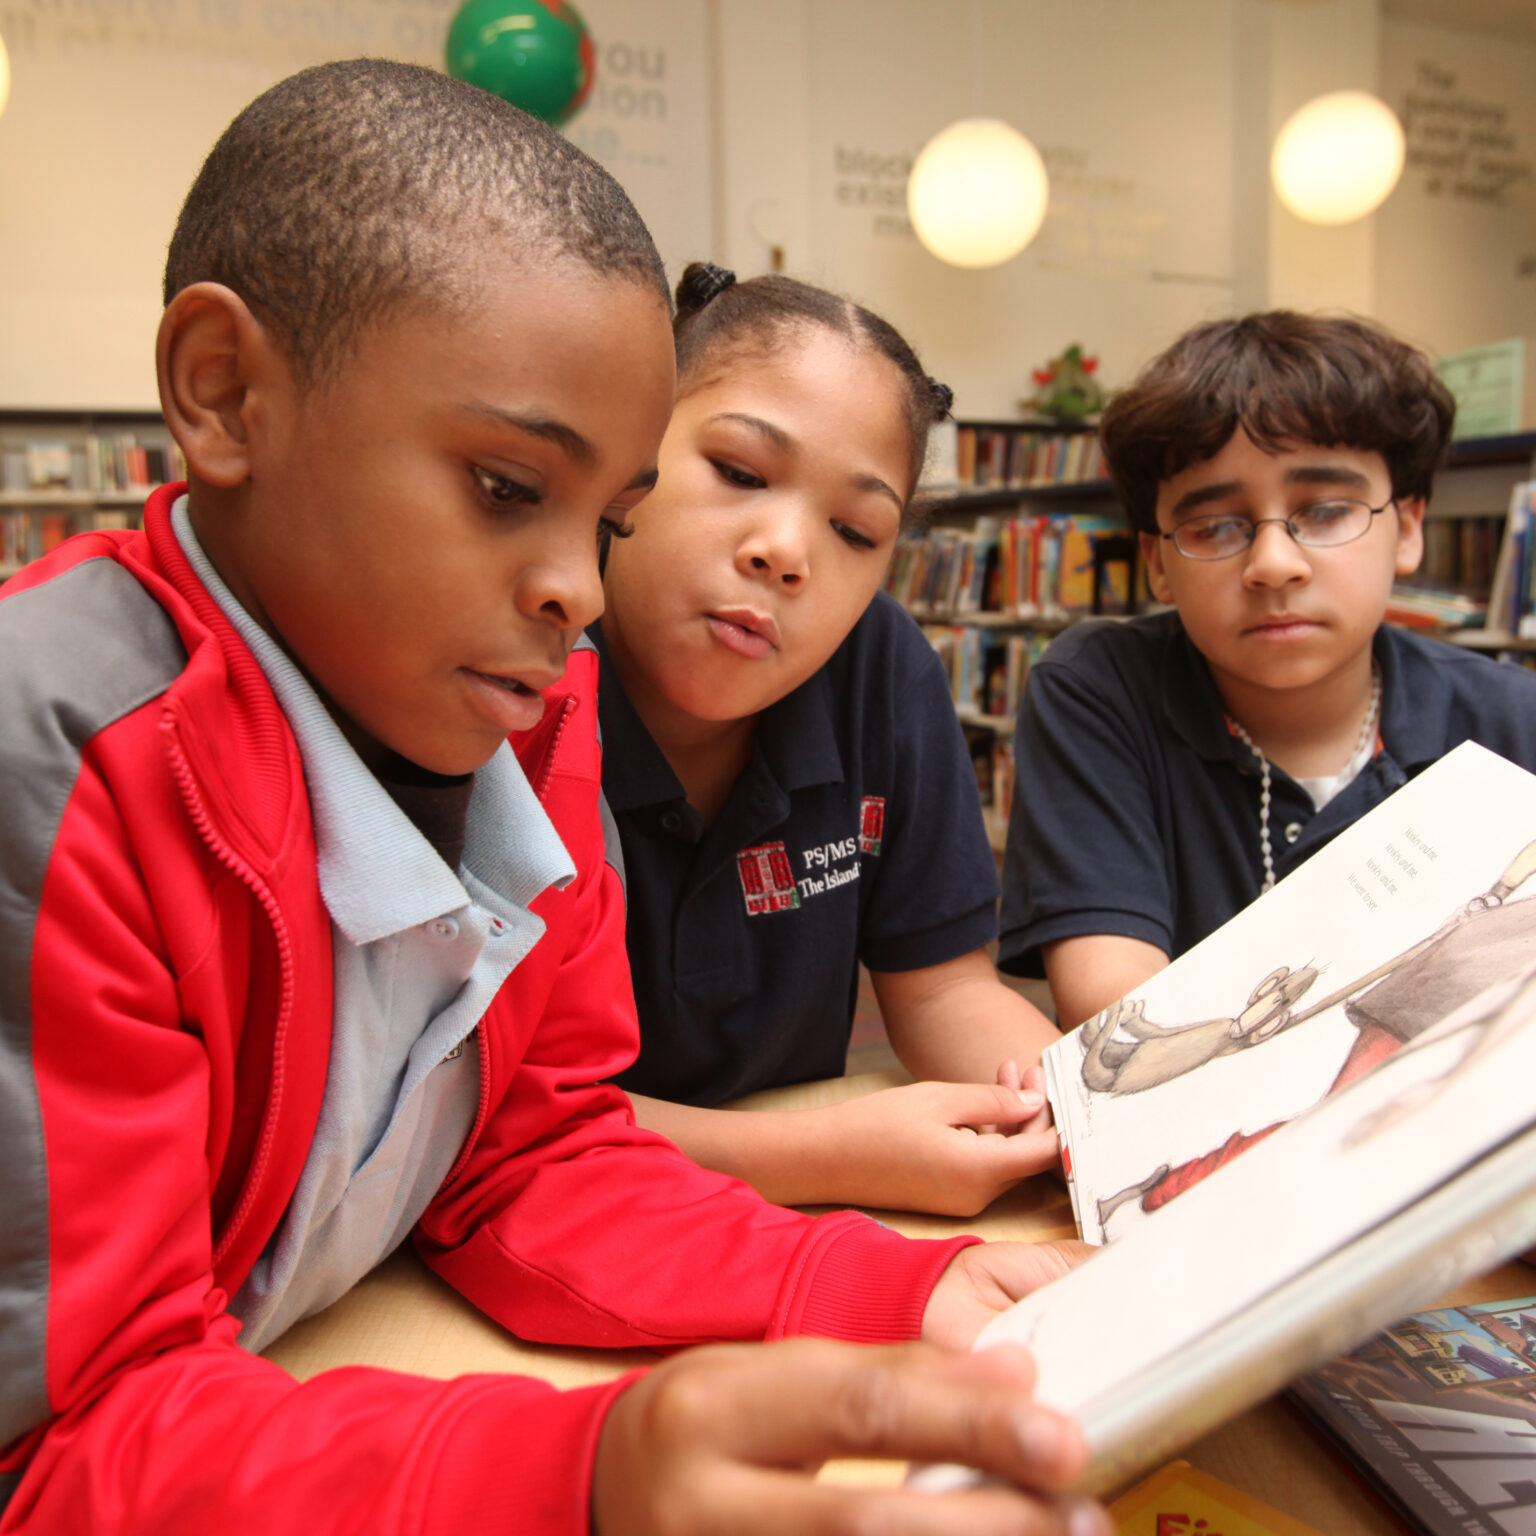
pixel 129 1404
pixel 570 1224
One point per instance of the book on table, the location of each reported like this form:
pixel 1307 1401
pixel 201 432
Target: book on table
pixel 1181 1500
pixel 1316 1121
pixel 1439 1412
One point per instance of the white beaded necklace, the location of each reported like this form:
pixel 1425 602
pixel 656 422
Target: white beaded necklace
pixel 1367 732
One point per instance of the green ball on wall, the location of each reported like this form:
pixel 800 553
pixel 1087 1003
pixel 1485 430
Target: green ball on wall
pixel 537 54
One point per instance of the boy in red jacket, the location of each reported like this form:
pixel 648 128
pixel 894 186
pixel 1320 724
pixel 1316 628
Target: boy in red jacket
pixel 308 942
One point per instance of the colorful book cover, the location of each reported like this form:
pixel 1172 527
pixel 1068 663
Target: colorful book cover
pixel 1181 1500
pixel 1078 536
pixel 1439 1412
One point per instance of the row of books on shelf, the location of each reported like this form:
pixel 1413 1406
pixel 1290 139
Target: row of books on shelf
pixel 1043 566
pixel 1433 609
pixel 27 536
pixel 1010 458
pixel 111 462
pixel 992 758
pixel 1461 553
pixel 987 668
pixel 1512 598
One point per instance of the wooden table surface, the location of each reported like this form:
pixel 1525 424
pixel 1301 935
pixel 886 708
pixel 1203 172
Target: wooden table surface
pixel 402 1317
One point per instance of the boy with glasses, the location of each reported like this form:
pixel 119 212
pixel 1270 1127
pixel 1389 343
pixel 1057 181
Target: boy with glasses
pixel 1276 468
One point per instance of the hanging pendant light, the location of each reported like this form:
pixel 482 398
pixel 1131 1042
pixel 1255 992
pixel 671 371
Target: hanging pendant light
pixel 977 193
pixel 1338 157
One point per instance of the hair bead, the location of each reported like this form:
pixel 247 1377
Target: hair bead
pixel 701 282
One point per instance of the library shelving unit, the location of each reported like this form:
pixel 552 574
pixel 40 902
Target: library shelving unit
pixel 1022 538
pixel 1480 545
pixel 63 472
pixel 990 610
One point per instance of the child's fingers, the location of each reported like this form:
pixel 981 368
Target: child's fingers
pixel 800 1402
pixel 785 1506
pixel 1034 1081
pixel 1018 1155
pixel 972 1171
pixel 1008 1075
pixel 989 1106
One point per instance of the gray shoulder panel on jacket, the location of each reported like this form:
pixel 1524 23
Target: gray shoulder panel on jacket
pixel 80 652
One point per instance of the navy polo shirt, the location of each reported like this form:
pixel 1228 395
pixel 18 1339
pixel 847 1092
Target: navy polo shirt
pixel 1136 811
pixel 854 833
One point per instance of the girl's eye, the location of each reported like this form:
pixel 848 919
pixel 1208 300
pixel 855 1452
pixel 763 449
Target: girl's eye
pixel 608 528
pixel 742 479
pixel 502 491
pixel 853 536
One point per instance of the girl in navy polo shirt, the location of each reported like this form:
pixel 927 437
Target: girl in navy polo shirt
pixel 791 786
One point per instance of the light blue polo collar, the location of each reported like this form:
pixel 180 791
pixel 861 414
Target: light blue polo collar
pixel 378 874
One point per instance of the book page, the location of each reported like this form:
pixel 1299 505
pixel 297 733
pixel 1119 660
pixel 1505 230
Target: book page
pixel 1399 920
pixel 1365 1154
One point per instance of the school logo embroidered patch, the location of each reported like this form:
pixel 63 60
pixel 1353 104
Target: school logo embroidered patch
pixel 871 823
pixel 767 881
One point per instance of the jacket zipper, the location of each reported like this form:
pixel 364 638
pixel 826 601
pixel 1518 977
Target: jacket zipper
pixel 568 706
pixel 221 850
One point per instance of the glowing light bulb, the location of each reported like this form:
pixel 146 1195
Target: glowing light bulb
pixel 1337 158
pixel 978 193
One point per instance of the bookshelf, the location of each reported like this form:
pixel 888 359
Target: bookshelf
pixel 1023 538
pixel 1480 548
pixel 65 472
pixel 1484 496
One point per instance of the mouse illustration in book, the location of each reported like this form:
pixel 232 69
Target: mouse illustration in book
pixel 1470 977
pixel 1115 1059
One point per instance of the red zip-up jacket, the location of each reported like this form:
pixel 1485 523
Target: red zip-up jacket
pixel 165 1017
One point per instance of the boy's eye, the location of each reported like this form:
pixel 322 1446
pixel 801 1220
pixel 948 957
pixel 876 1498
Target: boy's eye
pixel 742 479
pixel 503 491
pixel 853 536
pixel 1222 531
pixel 1325 515
pixel 612 528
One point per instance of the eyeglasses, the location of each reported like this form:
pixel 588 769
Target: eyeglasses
pixel 1319 525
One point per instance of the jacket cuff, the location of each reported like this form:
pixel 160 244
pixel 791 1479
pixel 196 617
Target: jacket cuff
pixel 859 1281
pixel 517 1461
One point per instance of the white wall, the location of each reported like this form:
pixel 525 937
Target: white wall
pixel 1457 240
pixel 114 103
pixel 740 125
pixel 1155 122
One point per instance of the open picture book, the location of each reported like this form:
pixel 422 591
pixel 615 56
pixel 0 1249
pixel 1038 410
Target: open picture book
pixel 1316 1121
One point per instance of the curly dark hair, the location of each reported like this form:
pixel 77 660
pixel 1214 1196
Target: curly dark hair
pixel 356 190
pixel 1286 379
pixel 719 319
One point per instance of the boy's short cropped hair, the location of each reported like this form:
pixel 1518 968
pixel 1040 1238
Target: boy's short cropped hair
pixel 350 192
pixel 1287 380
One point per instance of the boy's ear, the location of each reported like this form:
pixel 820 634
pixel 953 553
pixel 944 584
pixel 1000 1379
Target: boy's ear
pixel 209 352
pixel 1157 577
pixel 1410 534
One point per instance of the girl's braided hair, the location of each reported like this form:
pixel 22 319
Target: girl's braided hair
pixel 720 318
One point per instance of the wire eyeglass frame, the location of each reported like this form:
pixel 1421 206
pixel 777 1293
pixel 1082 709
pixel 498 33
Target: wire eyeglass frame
pixel 1253 524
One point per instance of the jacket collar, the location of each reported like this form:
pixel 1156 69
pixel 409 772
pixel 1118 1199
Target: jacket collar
pixel 248 776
